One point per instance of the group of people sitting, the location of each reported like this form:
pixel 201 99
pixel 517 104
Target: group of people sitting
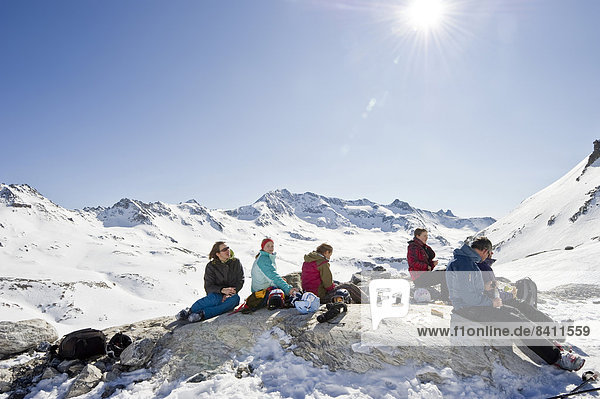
pixel 224 278
pixel 469 284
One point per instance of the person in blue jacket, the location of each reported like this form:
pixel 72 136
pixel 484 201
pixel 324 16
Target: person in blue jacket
pixel 264 270
pixel 469 299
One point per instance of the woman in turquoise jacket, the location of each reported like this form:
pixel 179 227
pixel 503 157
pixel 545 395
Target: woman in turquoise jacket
pixel 264 272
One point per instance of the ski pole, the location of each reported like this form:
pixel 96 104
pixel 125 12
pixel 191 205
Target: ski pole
pixel 564 395
pixel 586 377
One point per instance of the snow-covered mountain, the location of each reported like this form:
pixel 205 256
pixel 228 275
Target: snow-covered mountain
pixel 557 229
pixel 334 213
pixel 150 257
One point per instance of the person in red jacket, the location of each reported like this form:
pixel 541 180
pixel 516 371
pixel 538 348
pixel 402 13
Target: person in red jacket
pixel 317 278
pixel 420 264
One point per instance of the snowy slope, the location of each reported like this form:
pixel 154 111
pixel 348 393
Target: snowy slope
pixel 135 260
pixel 531 240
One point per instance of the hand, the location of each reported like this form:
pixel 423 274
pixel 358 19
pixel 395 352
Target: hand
pixel 228 291
pixel 497 302
pixel 435 262
pixel 428 268
pixel 293 291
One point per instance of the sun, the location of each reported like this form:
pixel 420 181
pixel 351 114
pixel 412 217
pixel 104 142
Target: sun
pixel 425 15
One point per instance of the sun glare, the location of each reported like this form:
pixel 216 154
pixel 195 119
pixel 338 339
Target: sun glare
pixel 425 14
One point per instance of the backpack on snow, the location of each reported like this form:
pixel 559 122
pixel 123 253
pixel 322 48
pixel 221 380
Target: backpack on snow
pixel 82 344
pixel 527 291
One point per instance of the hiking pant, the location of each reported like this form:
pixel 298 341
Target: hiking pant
pixel 542 347
pixel 529 311
pixel 355 293
pixel 429 279
pixel 213 304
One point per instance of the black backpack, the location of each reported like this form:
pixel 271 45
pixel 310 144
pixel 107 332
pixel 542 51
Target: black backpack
pixel 117 344
pixel 527 291
pixel 82 344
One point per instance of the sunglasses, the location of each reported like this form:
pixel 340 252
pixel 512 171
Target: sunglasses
pixel 224 249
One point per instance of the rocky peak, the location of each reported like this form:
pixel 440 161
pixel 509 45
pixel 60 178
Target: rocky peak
pixel 126 212
pixel 446 213
pixel 400 205
pixel 10 198
pixel 594 156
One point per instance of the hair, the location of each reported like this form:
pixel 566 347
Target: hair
pixel 482 243
pixel 419 231
pixel 215 250
pixel 321 249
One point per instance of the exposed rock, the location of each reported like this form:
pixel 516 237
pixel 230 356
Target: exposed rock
pixel 138 353
pixel 17 337
pixel 293 279
pixel 594 156
pixel 575 292
pixel 364 277
pixel 70 366
pixel 49 372
pixel 6 380
pixel 199 348
pixel 430 376
pixel 87 380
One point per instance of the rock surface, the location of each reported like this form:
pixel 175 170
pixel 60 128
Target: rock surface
pixel 195 351
pixel 17 337
pixel 200 347
pixel 138 353
pixel 87 380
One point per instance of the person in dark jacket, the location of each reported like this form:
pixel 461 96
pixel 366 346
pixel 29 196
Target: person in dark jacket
pixel 469 300
pixel 223 279
pixel 420 257
pixel 317 278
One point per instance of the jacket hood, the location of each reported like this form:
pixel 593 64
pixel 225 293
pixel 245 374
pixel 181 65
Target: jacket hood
pixel 265 253
pixel 488 262
pixel 416 241
pixel 314 256
pixel 467 252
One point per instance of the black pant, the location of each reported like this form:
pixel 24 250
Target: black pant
pixel 529 311
pixel 428 279
pixel 542 347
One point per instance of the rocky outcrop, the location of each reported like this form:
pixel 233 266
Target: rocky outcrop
pixel 87 380
pixel 138 353
pixel 193 352
pixel 594 156
pixel 17 337
pixel 199 348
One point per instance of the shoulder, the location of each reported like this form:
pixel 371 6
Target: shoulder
pixel 263 257
pixel 323 264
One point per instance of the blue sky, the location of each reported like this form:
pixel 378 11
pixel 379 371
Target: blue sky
pixel 222 101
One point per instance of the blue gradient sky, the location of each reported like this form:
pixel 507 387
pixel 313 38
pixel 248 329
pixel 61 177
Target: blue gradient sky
pixel 222 101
